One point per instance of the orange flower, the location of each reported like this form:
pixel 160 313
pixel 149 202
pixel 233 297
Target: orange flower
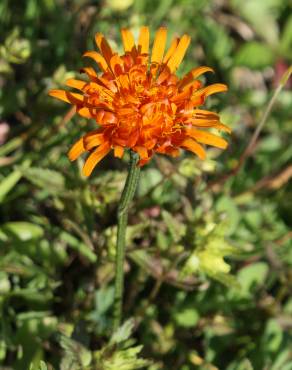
pixel 141 104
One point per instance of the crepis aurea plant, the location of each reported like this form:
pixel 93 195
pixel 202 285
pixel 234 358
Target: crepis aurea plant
pixel 140 104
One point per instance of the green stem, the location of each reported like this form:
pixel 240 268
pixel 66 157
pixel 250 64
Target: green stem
pixel 126 198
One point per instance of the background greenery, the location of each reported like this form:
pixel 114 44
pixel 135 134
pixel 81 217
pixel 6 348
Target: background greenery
pixel 208 264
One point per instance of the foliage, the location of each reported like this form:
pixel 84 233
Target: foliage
pixel 209 256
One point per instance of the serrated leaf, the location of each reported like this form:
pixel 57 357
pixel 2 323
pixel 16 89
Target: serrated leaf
pixel 208 255
pixel 76 356
pixel 123 332
pixel 126 359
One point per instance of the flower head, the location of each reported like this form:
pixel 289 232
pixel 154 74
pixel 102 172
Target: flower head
pixel 139 103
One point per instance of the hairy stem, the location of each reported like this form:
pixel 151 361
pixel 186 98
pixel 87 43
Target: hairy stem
pixel 126 198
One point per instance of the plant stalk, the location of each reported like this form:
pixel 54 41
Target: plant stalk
pixel 123 209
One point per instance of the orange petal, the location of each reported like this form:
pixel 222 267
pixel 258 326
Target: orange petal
pixel 198 99
pixel 85 112
pixel 104 47
pixel 110 85
pixel 93 139
pixel 194 147
pixel 207 138
pixel 173 152
pixel 90 73
pixel 143 41
pixel 204 113
pixel 98 58
pixel 163 76
pixel 128 40
pixel 142 151
pixel 66 96
pixel 99 86
pixel 179 53
pixel 159 45
pixel 171 49
pixel 203 122
pixel 117 65
pixel 181 96
pixel 193 74
pixel 142 162
pixel 124 81
pixel 95 157
pixel 76 150
pixel 125 111
pixel 76 84
pixel 132 140
pixel 209 122
pixel 118 151
pixel 105 117
pixel 193 86
pixel 212 89
pixel 222 127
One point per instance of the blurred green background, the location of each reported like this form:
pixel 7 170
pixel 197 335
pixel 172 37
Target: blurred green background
pixel 209 258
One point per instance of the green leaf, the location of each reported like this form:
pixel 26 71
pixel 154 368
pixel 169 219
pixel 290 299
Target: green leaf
pixel 76 356
pixel 270 144
pixel 5 284
pixel 22 230
pixel 245 364
pixel 286 39
pixel 40 366
pixel 254 218
pixel 227 205
pixel 273 337
pixel 208 255
pixel 123 332
pixel 124 360
pixel 187 317
pixel 3 349
pixel 120 5
pixel 283 360
pixel 119 352
pixel 175 228
pixel 255 55
pixel 8 183
pixel 78 246
pixel 51 181
pixel 10 146
pixel 104 298
pixel 252 276
pixel 148 180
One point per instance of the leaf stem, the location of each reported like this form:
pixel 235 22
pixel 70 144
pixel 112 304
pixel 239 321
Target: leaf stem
pixel 123 209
